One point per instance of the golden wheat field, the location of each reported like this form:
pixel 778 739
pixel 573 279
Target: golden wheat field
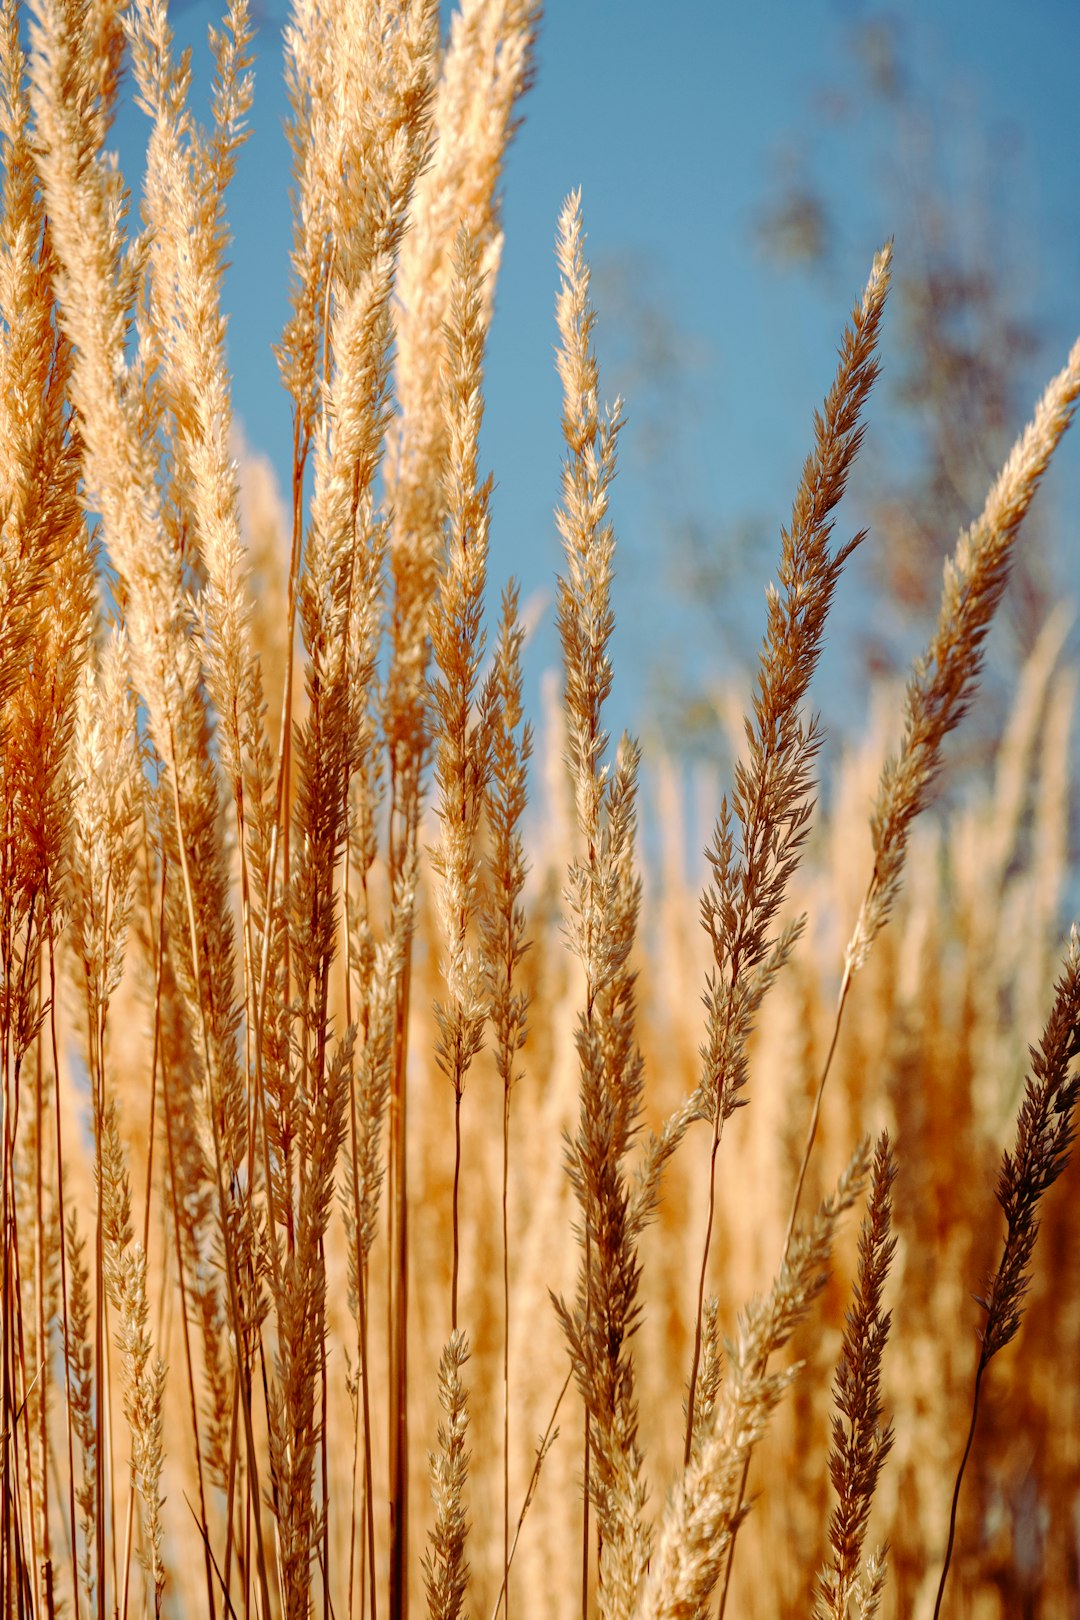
pixel 415 1200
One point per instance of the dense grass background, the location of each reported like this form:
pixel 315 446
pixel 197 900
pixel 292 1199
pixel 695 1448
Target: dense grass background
pixel 363 1124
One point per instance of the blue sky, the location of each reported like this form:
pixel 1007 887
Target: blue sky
pixel 679 123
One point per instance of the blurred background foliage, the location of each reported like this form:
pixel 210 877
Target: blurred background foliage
pixel 965 349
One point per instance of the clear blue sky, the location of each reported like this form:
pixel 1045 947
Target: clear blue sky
pixel 677 122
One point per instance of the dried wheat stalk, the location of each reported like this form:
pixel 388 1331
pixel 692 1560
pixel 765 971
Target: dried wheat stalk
pixel 944 678
pixel 707 1505
pixel 1045 1130
pixel 861 1440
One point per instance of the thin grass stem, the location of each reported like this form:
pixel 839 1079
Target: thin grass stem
pixel 955 1504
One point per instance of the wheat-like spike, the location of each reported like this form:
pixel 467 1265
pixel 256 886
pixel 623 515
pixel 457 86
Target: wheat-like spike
pixel 341 567
pixel 485 71
pixel 446 1567
pixel 144 1378
pixel 379 148
pixel 73 83
pixel 707 1505
pixel 461 738
pixel 584 604
pixel 603 897
pixel 188 1182
pixel 1045 1130
pixel 114 1192
pixel 347 228
pixel 772 801
pixel 379 977
pixel 123 1266
pixel 105 815
pixel 377 972
pixel 502 926
pixel 502 917
pixel 307 79
pixel 772 804
pixel 606 1313
pixel 80 1395
pixel 871 1585
pixel 38 468
pixel 37 1235
pixel 941 686
pixel 944 678
pixel 300 1310
pixel 341 580
pixel 310 87
pixel 182 326
pixel 710 1376
pixel 46 585
pixel 861 1440
pixel 46 562
pixel 187 173
pixel 40 724
pixel 94 279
